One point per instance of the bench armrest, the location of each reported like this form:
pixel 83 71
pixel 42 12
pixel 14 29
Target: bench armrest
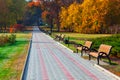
pixel 79 45
pixel 85 48
pixel 93 50
pixel 102 53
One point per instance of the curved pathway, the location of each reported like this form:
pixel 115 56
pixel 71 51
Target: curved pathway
pixel 49 60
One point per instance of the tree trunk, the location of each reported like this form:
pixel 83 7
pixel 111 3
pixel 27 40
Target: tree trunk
pixel 58 27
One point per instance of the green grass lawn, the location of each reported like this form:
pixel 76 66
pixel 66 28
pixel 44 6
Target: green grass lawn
pixel 12 57
pixel 97 39
pixel 80 38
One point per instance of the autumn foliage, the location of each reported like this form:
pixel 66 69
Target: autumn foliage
pixel 16 28
pixel 45 16
pixel 91 16
pixel 31 4
pixel 70 17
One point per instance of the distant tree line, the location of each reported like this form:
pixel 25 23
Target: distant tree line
pixel 84 16
pixel 11 12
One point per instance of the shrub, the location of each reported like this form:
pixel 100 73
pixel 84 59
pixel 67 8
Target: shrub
pixel 66 41
pixel 11 30
pixel 12 38
pixel 112 40
pixel 3 40
pixel 18 27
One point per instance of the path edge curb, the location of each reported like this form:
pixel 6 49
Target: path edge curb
pixel 26 60
pixel 105 70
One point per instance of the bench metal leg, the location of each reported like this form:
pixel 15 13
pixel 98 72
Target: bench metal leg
pixel 89 57
pixel 109 59
pixel 77 50
pixel 81 52
pixel 98 60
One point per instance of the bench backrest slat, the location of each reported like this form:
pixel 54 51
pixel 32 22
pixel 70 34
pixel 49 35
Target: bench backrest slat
pixel 62 36
pixel 88 44
pixel 59 35
pixel 105 48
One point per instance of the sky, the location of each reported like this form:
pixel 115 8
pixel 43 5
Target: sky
pixel 26 0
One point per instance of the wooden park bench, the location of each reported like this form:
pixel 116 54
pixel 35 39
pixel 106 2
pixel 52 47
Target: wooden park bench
pixel 103 51
pixel 61 38
pixel 57 37
pixel 83 48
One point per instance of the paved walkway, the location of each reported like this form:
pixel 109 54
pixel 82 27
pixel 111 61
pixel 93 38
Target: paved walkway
pixel 50 61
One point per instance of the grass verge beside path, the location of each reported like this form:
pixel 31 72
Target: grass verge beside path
pixel 12 57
